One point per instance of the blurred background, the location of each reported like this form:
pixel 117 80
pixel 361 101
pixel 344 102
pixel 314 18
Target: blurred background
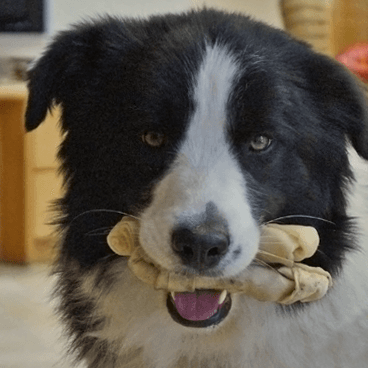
pixel 30 335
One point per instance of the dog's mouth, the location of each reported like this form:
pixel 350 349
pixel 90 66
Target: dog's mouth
pixel 201 308
pixel 205 303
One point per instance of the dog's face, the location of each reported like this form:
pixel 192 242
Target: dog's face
pixel 204 126
pixel 200 217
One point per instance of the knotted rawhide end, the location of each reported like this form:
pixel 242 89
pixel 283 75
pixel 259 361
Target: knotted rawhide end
pixel 282 279
pixel 286 244
pixel 123 238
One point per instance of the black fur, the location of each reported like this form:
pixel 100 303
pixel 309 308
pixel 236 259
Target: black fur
pixel 116 79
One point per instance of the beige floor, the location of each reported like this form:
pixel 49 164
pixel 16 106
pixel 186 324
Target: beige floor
pixel 30 336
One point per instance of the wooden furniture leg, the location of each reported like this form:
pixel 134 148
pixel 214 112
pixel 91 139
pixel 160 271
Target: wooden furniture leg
pixel 12 199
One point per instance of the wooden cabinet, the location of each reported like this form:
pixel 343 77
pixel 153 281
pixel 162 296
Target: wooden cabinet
pixel 29 181
pixel 330 26
pixel 43 187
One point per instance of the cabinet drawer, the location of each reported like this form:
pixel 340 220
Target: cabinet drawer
pixel 47 188
pixel 45 141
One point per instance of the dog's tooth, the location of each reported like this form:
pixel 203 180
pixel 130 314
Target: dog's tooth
pixel 222 296
pixel 173 295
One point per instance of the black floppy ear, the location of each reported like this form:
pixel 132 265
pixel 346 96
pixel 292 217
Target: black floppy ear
pixel 342 98
pixel 69 63
pixel 47 76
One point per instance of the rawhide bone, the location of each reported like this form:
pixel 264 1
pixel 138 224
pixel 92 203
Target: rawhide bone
pixel 281 279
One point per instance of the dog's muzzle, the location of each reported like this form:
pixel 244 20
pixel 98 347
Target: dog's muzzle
pixel 201 301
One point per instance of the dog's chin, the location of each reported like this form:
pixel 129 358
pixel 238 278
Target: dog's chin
pixel 213 316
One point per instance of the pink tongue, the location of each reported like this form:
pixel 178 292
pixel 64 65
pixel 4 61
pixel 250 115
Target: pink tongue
pixel 197 306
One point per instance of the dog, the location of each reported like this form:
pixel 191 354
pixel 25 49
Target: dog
pixel 204 126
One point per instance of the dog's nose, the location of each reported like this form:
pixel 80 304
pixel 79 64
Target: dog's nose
pixel 200 251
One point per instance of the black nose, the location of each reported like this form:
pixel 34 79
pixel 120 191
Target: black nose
pixel 199 251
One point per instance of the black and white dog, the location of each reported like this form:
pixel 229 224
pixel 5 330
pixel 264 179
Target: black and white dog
pixel 204 126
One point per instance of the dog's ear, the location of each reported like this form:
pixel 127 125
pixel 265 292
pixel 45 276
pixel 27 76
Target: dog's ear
pixel 50 74
pixel 42 85
pixel 69 62
pixel 341 97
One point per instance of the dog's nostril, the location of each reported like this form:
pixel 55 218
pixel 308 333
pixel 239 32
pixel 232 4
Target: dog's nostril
pixel 199 251
pixel 213 252
pixel 187 251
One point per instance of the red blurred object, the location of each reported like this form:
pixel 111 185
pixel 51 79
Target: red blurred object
pixel 355 58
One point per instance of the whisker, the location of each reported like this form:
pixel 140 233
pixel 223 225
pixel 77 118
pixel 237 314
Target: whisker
pixel 263 263
pixel 295 216
pixel 103 210
pixel 256 191
pixel 264 236
pixel 323 253
pixel 98 234
pixel 108 257
pixel 106 228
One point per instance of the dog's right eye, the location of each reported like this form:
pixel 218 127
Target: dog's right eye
pixel 260 143
pixel 154 139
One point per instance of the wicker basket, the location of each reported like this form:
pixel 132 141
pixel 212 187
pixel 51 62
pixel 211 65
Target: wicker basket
pixel 310 21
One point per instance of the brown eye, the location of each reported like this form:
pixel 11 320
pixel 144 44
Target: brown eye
pixel 154 139
pixel 260 142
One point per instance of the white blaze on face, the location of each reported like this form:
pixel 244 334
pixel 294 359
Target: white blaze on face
pixel 204 171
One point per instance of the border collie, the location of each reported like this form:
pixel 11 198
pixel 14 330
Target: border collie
pixel 204 126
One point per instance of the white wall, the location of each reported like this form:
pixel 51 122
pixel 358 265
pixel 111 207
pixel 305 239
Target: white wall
pixel 63 12
pixel 268 11
pixel 69 11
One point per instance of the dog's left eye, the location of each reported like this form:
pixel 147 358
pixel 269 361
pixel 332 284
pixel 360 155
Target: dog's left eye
pixel 154 139
pixel 260 143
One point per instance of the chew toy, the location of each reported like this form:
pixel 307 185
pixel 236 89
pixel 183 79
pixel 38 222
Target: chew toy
pixel 280 277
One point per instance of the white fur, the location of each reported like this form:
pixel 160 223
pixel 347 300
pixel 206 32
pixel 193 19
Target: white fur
pixel 204 171
pixel 330 333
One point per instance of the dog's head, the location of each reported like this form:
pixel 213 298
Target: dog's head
pixel 204 126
